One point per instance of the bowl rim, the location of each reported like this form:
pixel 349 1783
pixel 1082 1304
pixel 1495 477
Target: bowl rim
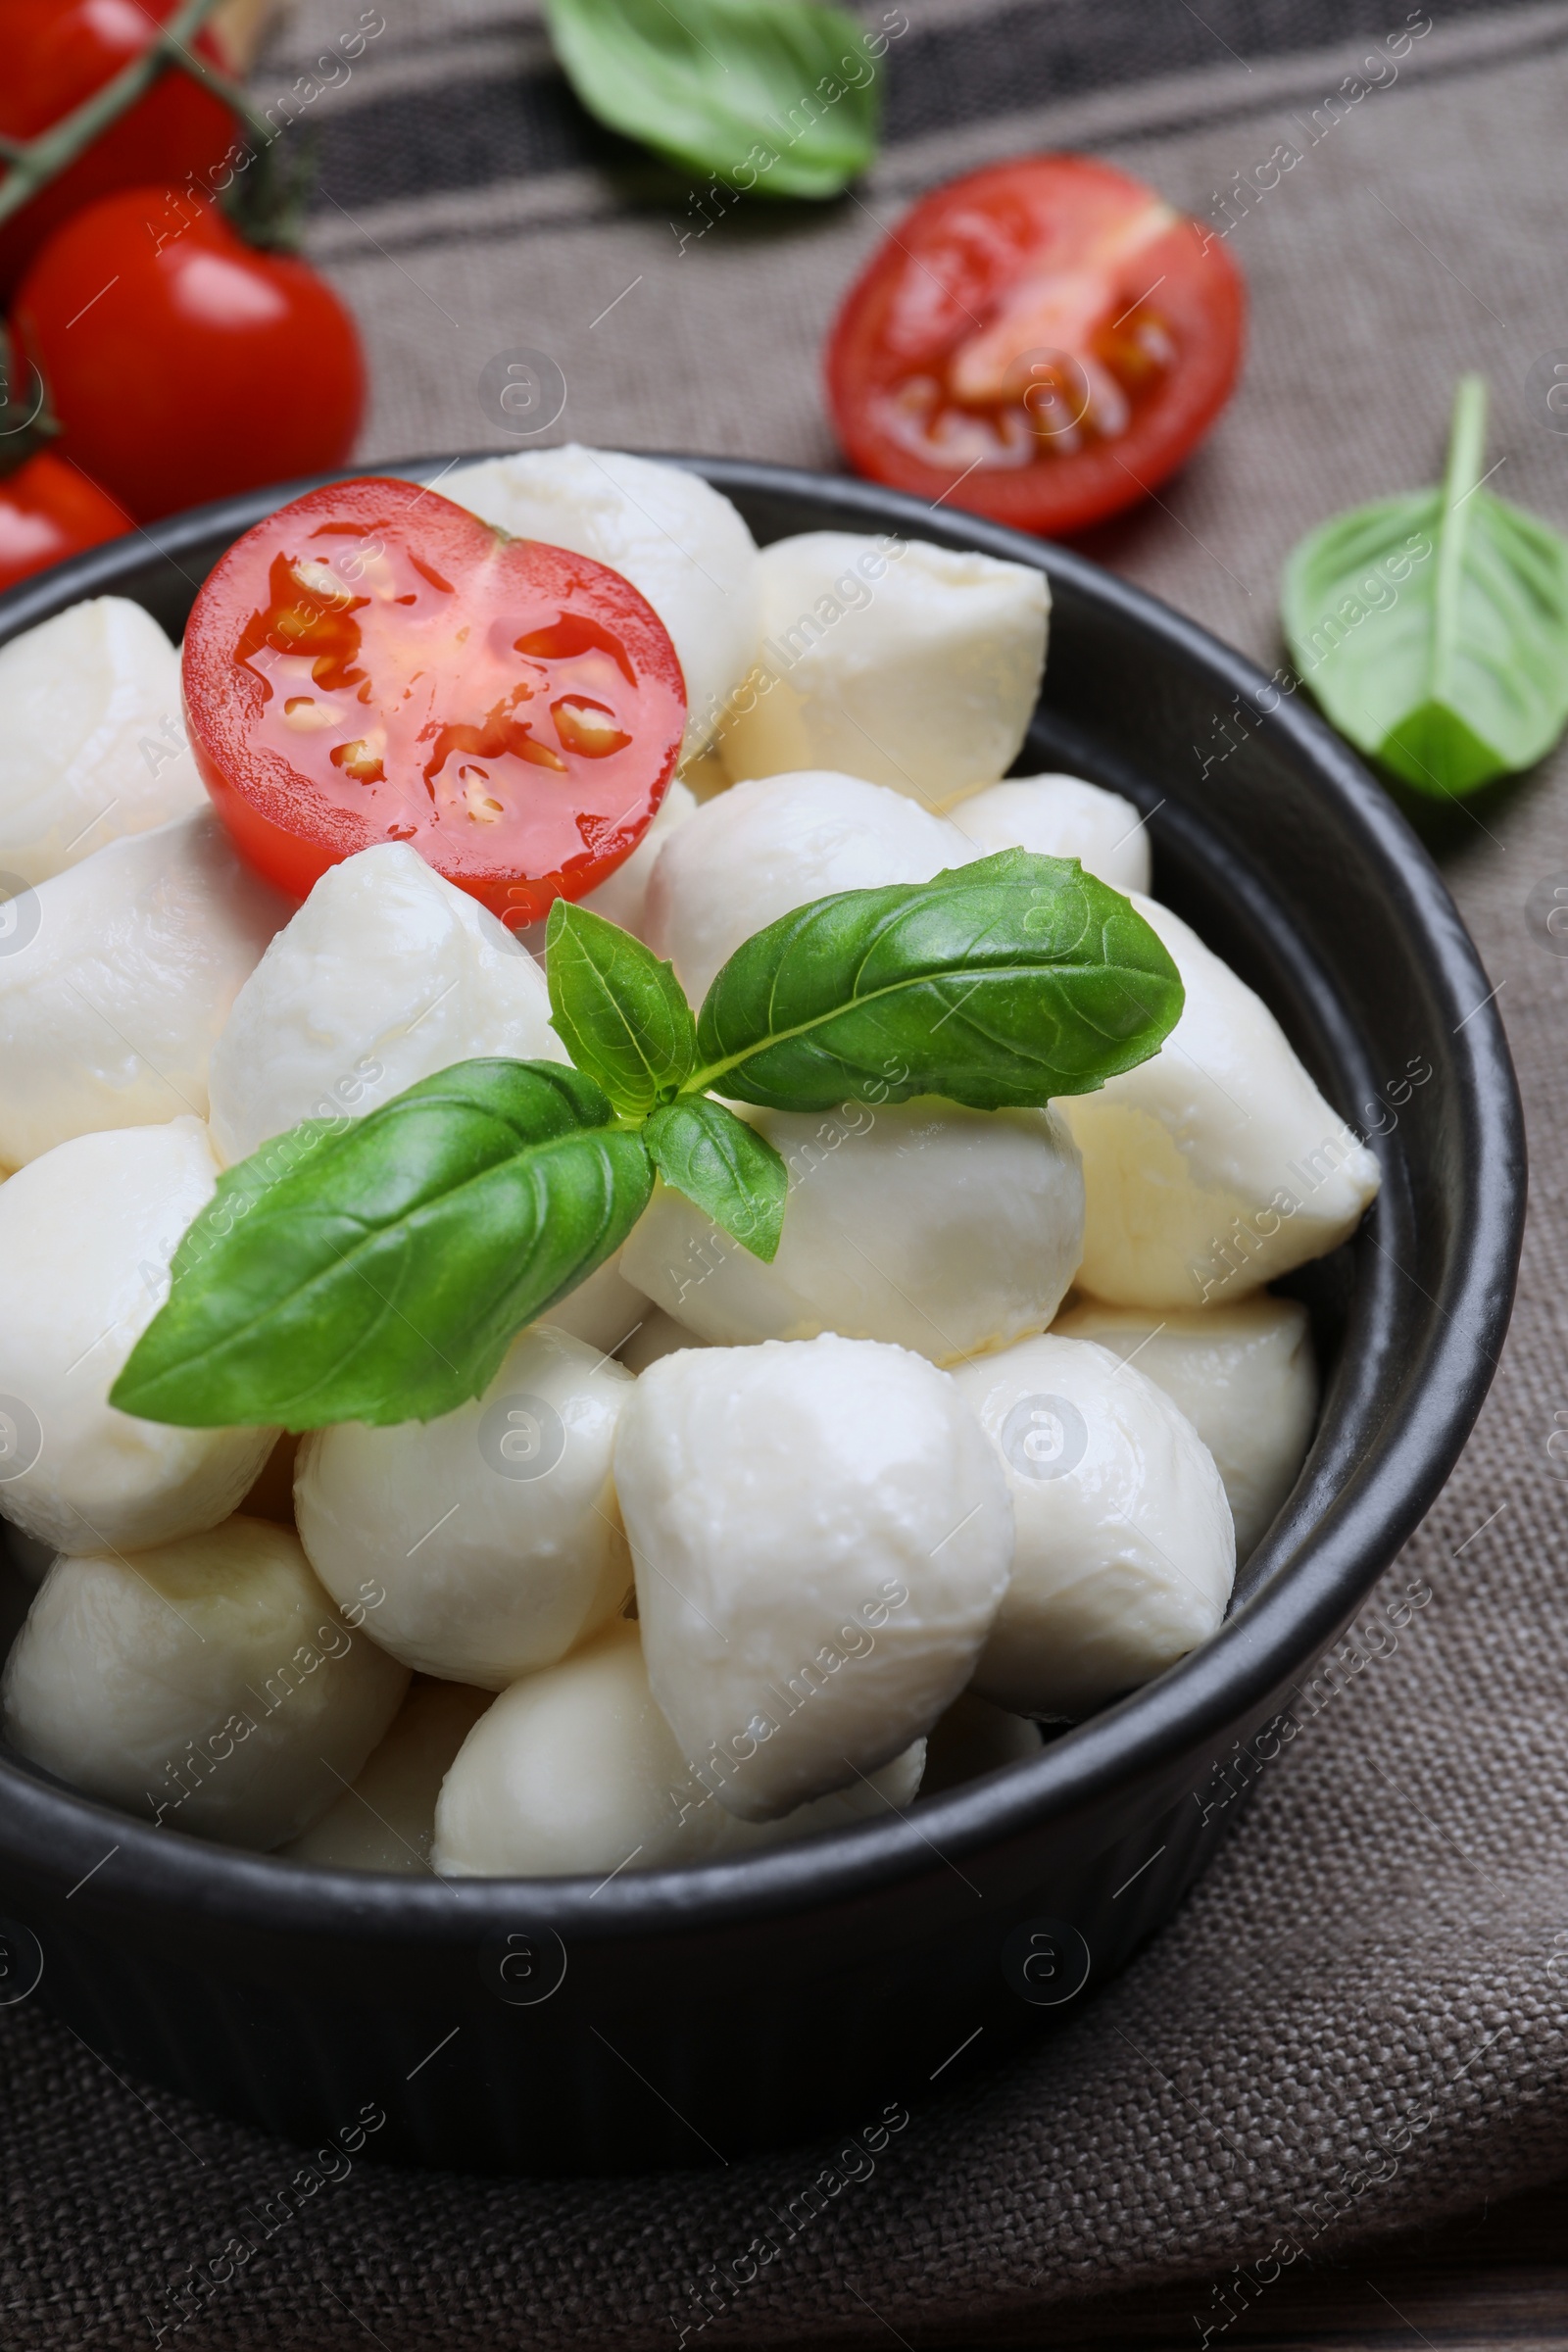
pixel 53 1833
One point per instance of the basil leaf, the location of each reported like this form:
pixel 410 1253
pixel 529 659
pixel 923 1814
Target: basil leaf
pixel 381 1275
pixel 1433 629
pixel 620 1013
pixel 1006 981
pixel 776 96
pixel 732 1173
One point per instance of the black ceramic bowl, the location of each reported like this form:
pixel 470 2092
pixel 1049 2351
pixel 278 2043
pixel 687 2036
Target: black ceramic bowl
pixel 672 2017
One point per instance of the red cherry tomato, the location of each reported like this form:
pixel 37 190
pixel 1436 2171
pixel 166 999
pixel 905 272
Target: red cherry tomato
pixel 58 53
pixel 373 663
pixel 1041 342
pixel 48 511
pixel 182 364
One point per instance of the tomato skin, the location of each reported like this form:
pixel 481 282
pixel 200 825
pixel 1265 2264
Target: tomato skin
pixel 48 511
pixel 56 57
pixel 187 369
pixel 1189 275
pixel 461 673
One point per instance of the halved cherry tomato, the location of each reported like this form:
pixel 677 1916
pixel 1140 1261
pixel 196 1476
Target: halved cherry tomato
pixel 373 663
pixel 48 511
pixel 59 52
pixel 182 364
pixel 1042 342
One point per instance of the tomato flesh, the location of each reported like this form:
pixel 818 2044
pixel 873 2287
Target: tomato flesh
pixel 1041 341
pixel 373 663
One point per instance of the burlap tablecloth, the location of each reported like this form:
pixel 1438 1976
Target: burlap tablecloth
pixel 1357 2021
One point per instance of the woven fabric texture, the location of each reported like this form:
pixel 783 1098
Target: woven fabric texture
pixel 1357 2020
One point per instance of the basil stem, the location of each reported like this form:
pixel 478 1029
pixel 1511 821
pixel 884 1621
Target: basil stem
pixel 377 1271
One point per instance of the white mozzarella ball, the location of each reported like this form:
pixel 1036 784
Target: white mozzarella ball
pixel 207 1684
pixel 1217 1166
pixel 1060 816
pixel 576 1771
pixel 941 1229
pixel 115 978
pixel 603 1311
pixel 909 664
pixel 974 1738
pixel 387 974
pixel 659 1334
pixel 86 1233
pixel 622 899
pixel 386 1821
pixel 821 1535
pixel 762 850
pixel 681 544
pixel 1244 1376
pixel 92 741
pixel 1125 1554
pixel 493 1532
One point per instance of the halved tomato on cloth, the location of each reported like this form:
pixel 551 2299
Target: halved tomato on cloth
pixel 373 663
pixel 1042 342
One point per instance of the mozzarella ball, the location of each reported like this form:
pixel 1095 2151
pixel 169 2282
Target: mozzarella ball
pixel 1244 1376
pixel 493 1531
pixel 207 1684
pixel 1125 1554
pixel 92 741
pixel 762 850
pixel 115 979
pixel 387 974
pixel 974 1738
pixel 660 1336
pixel 821 1536
pixel 941 1229
pixel 386 1821
pixel 1217 1166
pixel 86 1233
pixel 909 664
pixel 1060 816
pixel 575 1770
pixel 622 899
pixel 681 544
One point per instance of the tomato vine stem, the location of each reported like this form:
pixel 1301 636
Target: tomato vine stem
pixel 34 162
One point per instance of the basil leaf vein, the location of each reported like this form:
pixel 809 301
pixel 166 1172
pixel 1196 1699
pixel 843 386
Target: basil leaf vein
pixel 1433 627
pixel 620 1013
pixel 734 1174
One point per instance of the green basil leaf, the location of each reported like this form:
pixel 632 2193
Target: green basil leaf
pixel 1433 629
pixel 620 1013
pixel 381 1274
pixel 732 1173
pixel 779 97
pixel 1006 981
